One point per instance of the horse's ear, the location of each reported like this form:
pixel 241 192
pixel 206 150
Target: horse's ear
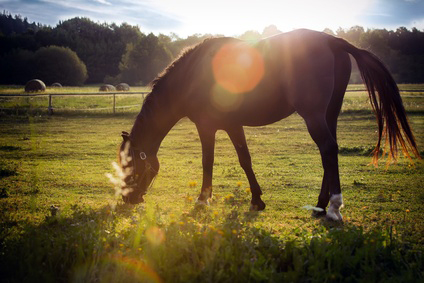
pixel 125 136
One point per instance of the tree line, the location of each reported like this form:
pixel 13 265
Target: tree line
pixel 78 51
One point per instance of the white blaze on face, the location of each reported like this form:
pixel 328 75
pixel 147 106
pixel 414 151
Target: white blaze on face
pixel 125 158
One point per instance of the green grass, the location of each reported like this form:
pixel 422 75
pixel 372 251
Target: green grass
pixel 90 235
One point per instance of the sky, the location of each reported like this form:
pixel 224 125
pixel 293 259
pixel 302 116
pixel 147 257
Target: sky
pixel 226 17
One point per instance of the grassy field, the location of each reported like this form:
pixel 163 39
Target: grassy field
pixel 60 220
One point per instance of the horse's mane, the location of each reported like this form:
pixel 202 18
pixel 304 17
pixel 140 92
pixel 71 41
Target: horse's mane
pixel 159 81
pixel 156 83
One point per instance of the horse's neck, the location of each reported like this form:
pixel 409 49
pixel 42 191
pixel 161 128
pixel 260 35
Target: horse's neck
pixel 152 124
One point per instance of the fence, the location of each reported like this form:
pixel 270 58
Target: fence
pixel 50 107
pixel 50 96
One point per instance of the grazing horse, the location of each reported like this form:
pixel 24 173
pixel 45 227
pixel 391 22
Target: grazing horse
pixel 225 83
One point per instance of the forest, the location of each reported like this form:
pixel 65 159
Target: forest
pixel 111 53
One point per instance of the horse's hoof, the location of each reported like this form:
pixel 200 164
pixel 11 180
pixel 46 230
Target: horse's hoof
pixel 318 214
pixel 200 202
pixel 333 213
pixel 257 206
pixel 334 216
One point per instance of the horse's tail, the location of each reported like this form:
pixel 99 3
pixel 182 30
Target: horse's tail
pixel 386 102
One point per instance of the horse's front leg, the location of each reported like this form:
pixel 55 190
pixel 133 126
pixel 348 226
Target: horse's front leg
pixel 239 141
pixel 207 138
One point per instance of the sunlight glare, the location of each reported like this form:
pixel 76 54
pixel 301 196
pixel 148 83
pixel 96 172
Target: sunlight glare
pixel 236 17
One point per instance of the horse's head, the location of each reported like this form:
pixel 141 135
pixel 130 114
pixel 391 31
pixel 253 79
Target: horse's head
pixel 139 169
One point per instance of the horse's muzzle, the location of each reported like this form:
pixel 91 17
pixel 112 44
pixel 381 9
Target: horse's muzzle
pixel 133 197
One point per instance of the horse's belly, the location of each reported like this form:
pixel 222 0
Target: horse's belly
pixel 256 108
pixel 260 115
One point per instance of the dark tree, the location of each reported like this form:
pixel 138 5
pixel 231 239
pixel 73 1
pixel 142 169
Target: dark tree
pixel 59 64
pixel 144 60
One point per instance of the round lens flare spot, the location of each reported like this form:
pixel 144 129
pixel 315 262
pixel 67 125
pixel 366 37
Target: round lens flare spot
pixel 155 235
pixel 238 68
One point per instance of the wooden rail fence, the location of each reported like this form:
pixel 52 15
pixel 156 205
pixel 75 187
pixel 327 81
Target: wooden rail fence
pixel 50 107
pixel 143 93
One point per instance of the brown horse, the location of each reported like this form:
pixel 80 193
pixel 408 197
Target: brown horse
pixel 225 83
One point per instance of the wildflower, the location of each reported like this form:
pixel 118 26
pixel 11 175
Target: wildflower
pixel 220 232
pixel 407 211
pixel 247 190
pixel 234 231
pixel 239 184
pixel 215 213
pixel 192 184
pixel 229 197
pixel 189 199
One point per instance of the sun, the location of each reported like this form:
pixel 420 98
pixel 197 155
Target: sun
pixel 232 18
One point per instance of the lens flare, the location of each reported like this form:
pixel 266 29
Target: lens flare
pixel 224 100
pixel 139 269
pixel 238 68
pixel 155 235
pixel 114 266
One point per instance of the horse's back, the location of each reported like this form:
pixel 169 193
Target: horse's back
pixel 295 72
pixel 306 64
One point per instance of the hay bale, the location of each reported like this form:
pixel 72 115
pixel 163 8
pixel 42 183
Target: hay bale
pixel 35 85
pixel 122 87
pixel 107 87
pixel 56 85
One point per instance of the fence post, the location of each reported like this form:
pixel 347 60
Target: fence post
pixel 50 109
pixel 114 101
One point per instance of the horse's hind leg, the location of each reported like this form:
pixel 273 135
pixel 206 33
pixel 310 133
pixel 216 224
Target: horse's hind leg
pixel 239 141
pixel 327 144
pixel 342 68
pixel 323 130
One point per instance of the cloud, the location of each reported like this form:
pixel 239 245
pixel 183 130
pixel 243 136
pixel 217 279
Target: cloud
pixel 50 12
pixel 103 2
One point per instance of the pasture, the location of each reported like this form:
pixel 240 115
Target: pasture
pixel 60 219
